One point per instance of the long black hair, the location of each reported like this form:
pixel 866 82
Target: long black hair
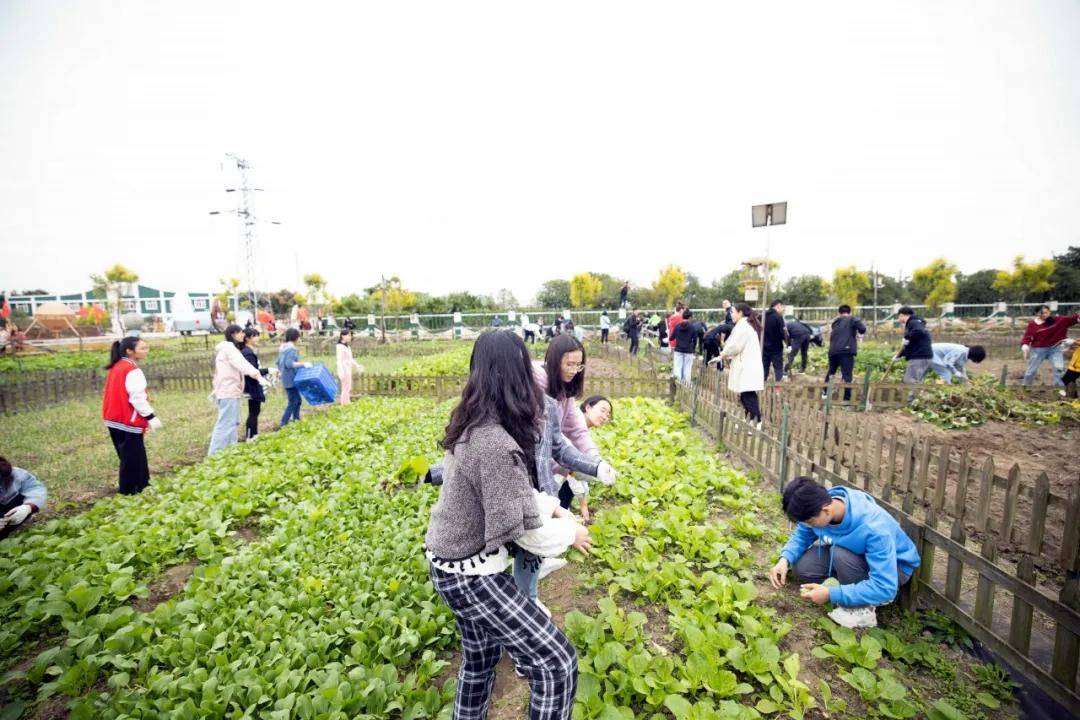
pixel 500 389
pixel 558 347
pixel 341 337
pixel 232 330
pixel 594 399
pixel 750 315
pixel 120 348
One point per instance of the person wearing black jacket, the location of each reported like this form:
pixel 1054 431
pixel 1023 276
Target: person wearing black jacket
pixel 844 346
pixel 713 341
pixel 917 348
pixel 800 335
pixel 772 343
pixel 252 387
pixel 633 331
pixel 685 337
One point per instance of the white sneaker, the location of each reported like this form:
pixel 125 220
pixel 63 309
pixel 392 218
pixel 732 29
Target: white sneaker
pixel 860 617
pixel 550 565
pixel 547 612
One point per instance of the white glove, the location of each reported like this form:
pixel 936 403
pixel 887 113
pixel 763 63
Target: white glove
pixel 308 365
pixel 606 474
pixel 264 382
pixel 274 371
pixel 155 423
pixel 15 516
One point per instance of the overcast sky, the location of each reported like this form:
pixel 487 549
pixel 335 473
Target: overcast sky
pixel 477 146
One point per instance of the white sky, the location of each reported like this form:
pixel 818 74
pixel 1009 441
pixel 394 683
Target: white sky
pixel 483 145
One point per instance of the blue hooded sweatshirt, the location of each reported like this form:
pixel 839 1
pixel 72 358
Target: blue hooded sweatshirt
pixel 867 529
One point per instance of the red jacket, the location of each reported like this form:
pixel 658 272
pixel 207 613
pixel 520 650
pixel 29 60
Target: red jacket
pixel 1050 333
pixel 116 403
pixel 673 320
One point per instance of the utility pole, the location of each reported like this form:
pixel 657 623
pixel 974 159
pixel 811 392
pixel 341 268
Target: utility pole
pixel 873 275
pixel 248 220
pixel 382 310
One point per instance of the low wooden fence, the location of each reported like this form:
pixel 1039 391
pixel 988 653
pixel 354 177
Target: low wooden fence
pixel 980 545
pixel 64 385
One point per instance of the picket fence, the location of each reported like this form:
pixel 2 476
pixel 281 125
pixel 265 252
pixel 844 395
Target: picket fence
pixel 982 536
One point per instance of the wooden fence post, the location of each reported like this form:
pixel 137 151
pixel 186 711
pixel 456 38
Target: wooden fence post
pixel 866 391
pixel 783 461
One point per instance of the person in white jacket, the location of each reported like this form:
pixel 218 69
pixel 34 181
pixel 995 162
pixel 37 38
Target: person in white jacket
pixel 230 369
pixel 346 365
pixel 746 374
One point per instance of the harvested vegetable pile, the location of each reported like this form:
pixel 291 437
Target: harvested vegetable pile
pixel 955 407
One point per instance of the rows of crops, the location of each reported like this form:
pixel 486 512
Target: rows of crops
pixel 683 544
pixel 314 620
pixel 329 613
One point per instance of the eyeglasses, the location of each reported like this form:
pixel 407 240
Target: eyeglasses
pixel 573 368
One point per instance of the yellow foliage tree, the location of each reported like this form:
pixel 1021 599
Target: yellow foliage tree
pixel 847 283
pixel 670 285
pixel 1026 279
pixel 585 288
pixel 936 283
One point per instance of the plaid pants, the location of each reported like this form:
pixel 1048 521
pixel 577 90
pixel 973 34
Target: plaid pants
pixel 493 615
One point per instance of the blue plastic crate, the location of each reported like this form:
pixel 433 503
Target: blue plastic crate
pixel 316 385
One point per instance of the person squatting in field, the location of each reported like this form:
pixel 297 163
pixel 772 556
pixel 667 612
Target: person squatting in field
pixel 21 495
pixel 843 533
pixel 488 509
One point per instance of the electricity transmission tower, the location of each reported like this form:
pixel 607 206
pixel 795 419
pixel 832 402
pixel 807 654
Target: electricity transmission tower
pixel 248 220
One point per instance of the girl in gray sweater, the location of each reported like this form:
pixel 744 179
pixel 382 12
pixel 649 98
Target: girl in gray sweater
pixel 488 509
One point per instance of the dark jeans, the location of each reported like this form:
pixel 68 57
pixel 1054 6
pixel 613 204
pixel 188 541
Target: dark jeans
pixel 530 336
pixel 252 425
pixel 1069 378
pixel 798 347
pixel 847 567
pixel 634 339
pixel 749 400
pixel 134 469
pixel 604 335
pixel 846 365
pixel 292 406
pixel 775 359
pixel 4 507
pixel 566 496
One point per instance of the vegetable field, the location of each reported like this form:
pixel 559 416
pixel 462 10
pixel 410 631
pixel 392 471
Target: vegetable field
pixel 308 595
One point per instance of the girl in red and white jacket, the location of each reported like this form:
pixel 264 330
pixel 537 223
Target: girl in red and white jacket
pixel 125 407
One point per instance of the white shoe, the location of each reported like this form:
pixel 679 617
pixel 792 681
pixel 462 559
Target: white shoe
pixel 547 612
pixel 550 565
pixel 861 617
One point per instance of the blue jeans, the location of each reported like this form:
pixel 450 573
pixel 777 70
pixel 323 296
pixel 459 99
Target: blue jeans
pixel 292 406
pixel 525 577
pixel 683 366
pixel 1035 358
pixel 228 420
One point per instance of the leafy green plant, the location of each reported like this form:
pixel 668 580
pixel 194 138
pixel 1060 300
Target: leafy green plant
pixel 947 630
pixel 995 680
pixel 864 652
pixel 882 692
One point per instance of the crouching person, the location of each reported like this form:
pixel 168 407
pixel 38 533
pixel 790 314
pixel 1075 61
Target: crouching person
pixel 21 495
pixel 842 533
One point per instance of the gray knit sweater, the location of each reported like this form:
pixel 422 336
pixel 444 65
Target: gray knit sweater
pixel 486 499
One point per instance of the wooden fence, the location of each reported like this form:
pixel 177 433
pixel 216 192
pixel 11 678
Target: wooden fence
pixel 980 544
pixel 64 385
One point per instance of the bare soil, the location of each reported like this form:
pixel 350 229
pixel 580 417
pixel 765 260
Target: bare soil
pixel 171 582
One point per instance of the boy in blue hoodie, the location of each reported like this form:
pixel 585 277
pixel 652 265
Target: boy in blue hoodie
pixel 843 533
